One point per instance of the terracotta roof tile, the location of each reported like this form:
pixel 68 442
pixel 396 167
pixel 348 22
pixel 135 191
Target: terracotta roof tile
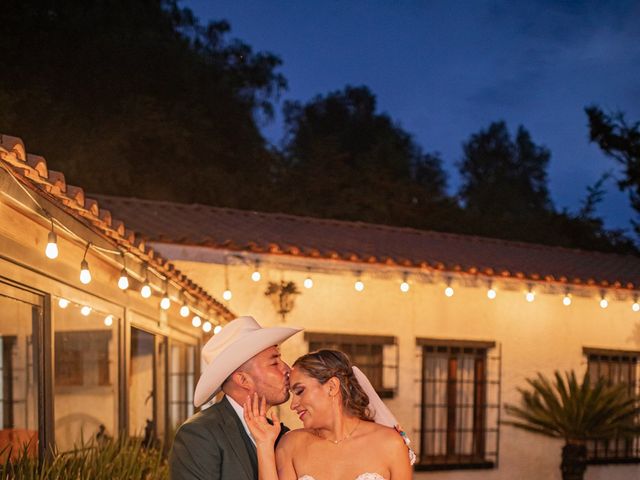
pixel 360 242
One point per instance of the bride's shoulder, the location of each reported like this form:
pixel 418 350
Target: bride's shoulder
pixel 388 436
pixel 295 437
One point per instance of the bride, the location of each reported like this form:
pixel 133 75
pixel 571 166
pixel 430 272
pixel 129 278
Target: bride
pixel 344 435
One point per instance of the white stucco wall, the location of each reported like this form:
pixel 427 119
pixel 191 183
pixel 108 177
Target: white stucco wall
pixel 541 336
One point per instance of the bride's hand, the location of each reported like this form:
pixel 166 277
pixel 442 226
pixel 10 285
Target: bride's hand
pixel 255 414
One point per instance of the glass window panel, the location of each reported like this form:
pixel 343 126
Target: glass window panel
pixel 141 388
pixel 18 385
pixel 181 383
pixel 85 376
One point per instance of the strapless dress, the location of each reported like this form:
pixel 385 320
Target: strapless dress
pixel 362 476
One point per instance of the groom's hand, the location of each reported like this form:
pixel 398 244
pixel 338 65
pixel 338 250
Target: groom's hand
pixel 255 414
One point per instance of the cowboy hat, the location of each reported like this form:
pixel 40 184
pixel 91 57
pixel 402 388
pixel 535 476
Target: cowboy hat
pixel 236 343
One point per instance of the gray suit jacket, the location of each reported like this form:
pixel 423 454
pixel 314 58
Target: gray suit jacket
pixel 213 445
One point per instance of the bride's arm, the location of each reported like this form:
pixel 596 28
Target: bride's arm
pixel 400 465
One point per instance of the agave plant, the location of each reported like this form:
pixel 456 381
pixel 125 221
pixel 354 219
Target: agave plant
pixel 576 412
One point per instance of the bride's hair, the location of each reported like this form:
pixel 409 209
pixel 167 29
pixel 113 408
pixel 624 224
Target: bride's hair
pixel 325 364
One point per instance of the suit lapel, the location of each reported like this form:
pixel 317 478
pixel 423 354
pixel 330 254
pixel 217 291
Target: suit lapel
pixel 234 431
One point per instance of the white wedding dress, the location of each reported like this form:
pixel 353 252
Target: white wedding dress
pixel 363 476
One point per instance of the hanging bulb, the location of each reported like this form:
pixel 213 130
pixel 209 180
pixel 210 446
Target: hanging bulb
pixel 52 246
pixel 108 320
pixel 165 303
pixel 404 286
pixel 635 307
pixel 217 329
pixel 491 294
pixel 530 296
pixel 85 274
pixel 206 326
pixel 63 303
pixel 604 303
pixel 196 321
pixel 145 291
pixel 566 300
pixel 308 282
pixel 227 295
pixel 359 286
pixel 255 276
pixel 448 291
pixel 123 281
pixel 85 310
pixel 184 310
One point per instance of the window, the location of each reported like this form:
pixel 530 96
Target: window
pixel 376 356
pixel 617 367
pixel 459 404
pixel 181 382
pixel 82 358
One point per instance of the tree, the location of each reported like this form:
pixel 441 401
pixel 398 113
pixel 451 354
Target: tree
pixel 345 160
pixel 575 412
pixel 621 141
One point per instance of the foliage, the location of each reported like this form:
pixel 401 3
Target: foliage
pixel 125 459
pixel 576 411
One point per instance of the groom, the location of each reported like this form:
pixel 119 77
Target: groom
pixel 215 443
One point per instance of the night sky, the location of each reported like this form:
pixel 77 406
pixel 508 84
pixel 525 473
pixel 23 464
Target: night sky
pixel 444 70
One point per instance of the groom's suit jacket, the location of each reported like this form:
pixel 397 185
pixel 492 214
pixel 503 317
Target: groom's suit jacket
pixel 213 445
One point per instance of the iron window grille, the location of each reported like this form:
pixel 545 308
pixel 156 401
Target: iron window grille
pixel 181 382
pixel 616 366
pixel 375 355
pixel 458 404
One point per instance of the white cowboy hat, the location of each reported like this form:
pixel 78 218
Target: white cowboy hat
pixel 236 343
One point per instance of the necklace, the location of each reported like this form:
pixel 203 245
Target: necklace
pixel 335 442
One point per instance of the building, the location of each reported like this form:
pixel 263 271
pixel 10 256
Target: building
pixel 446 326
pixel 83 354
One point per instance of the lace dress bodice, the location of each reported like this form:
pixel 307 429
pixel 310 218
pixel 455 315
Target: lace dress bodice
pixel 363 476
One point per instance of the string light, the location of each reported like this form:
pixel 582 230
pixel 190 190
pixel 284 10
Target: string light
pixel 206 326
pixel 217 329
pixel 359 286
pixel 530 296
pixel 196 321
pixel 165 303
pixel 123 281
pixel 635 306
pixel 566 300
pixel 604 303
pixel 184 310
pixel 108 320
pixel 145 291
pixel 404 286
pixel 52 244
pixel 491 292
pixel 85 274
pixel 85 310
pixel 63 303
pixel 227 295
pixel 255 276
pixel 449 291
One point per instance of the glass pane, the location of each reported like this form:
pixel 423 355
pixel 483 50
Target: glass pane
pixel 181 383
pixel 18 386
pixel 86 376
pixel 160 388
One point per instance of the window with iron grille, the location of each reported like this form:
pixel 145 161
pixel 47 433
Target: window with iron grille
pixel 375 355
pixel 616 366
pixel 459 404
pixel 181 382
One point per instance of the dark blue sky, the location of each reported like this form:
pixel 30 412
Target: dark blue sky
pixel 445 69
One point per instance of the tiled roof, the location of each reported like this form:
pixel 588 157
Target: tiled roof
pixel 33 172
pixel 241 230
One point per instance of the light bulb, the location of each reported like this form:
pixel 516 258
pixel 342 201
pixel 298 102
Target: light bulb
pixel 491 294
pixel 206 326
pixel 123 281
pixel 63 303
pixel 404 287
pixel 530 296
pixel 52 246
pixel 227 294
pixel 145 291
pixel 255 276
pixel 217 329
pixel 635 307
pixel 359 286
pixel 604 303
pixel 196 321
pixel 184 310
pixel 308 282
pixel 165 303
pixel 448 292
pixel 85 310
pixel 108 320
pixel 85 274
pixel 566 300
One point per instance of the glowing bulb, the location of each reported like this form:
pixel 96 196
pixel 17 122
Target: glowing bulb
pixel 255 276
pixel 404 287
pixel 227 294
pixel 206 326
pixel 491 294
pixel 635 307
pixel 196 321
pixel 530 296
pixel 85 274
pixel 165 303
pixel 123 281
pixel 52 246
pixel 448 292
pixel 145 291
pixel 86 310
pixel 604 303
pixel 63 303
pixel 217 329
pixel 108 320
pixel 566 300
pixel 359 286
pixel 184 310
pixel 308 283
